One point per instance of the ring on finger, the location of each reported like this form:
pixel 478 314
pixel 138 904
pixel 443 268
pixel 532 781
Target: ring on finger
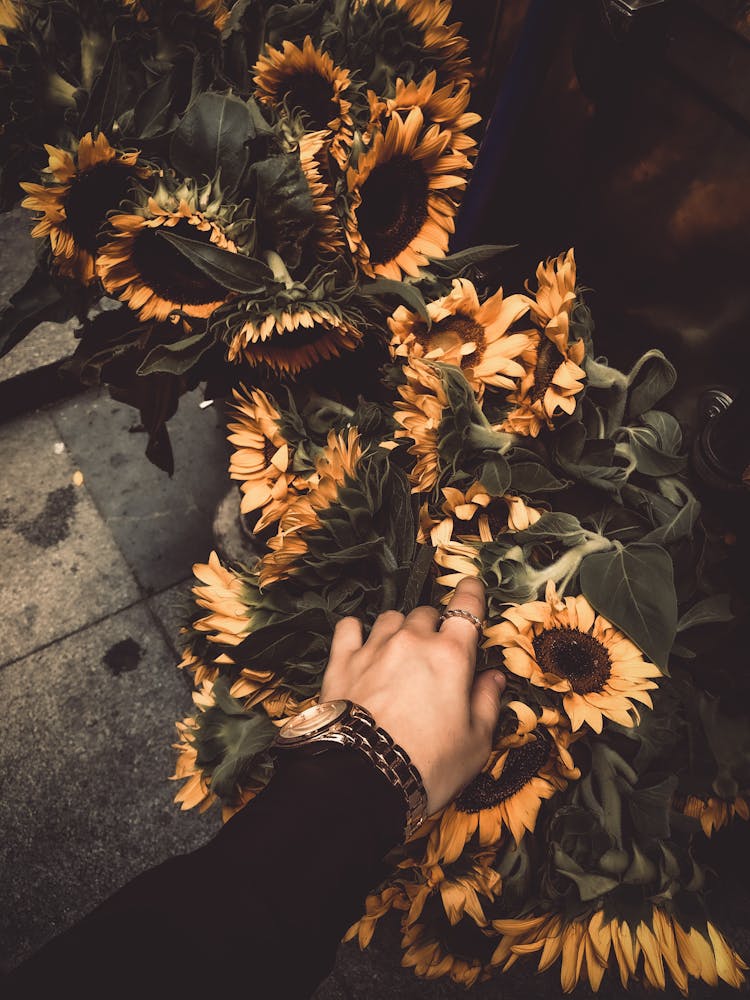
pixel 461 613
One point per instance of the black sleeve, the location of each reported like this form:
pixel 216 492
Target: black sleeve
pixel 260 909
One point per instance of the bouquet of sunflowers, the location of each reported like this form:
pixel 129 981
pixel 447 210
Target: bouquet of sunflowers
pixel 502 448
pixel 259 196
pixel 243 185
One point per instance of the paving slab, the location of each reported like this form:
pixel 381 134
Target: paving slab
pixel 161 524
pixel 17 250
pixel 85 800
pixel 61 567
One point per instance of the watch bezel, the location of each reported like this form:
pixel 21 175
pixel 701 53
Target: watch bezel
pixel 284 736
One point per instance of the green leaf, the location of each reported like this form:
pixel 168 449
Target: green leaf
pixel 533 477
pixel 633 587
pixel 230 270
pixel 36 301
pixel 406 293
pixel 419 572
pixel 176 358
pixel 495 476
pixel 650 807
pixel 153 114
pixel 106 94
pixel 552 525
pixel 212 135
pixel 285 211
pixel 455 263
pixel 650 460
pixel 651 378
pixel 676 525
pixel 711 609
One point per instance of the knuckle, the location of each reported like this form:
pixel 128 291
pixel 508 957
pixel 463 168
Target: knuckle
pixel 391 618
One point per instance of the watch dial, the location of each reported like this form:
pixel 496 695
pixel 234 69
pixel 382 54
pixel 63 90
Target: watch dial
pixel 313 719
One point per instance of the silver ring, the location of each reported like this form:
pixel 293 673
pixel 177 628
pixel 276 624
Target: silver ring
pixel 460 613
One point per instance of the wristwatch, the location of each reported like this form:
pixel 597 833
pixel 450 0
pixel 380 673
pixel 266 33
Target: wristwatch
pixel 347 724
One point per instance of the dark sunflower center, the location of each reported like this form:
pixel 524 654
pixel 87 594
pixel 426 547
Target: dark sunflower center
pixel 575 655
pixel 394 207
pixel 521 764
pixel 91 196
pixel 548 361
pixel 464 940
pixel 451 332
pixel 171 275
pixel 313 95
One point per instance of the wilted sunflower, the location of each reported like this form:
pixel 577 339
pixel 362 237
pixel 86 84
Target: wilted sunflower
pixel 262 457
pixel 589 946
pixel 74 205
pixel 465 333
pixel 458 885
pixel 420 413
pixel 296 338
pixel 401 211
pixel 263 687
pixel 426 32
pixel 506 794
pixel 198 668
pixel 337 462
pixel 215 9
pixel 145 270
pixel 564 646
pixel 223 595
pixel 309 81
pixel 328 235
pixel 713 813
pixel 445 106
pixel 436 948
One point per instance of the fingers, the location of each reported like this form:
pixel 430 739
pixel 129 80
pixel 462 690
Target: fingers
pixel 468 596
pixel 422 620
pixel 485 703
pixel 385 626
pixel 347 639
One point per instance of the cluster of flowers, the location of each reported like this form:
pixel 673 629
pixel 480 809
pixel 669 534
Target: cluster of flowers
pixel 503 449
pixel 242 179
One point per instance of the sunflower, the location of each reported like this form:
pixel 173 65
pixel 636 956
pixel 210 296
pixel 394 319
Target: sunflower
pixel 263 687
pixel 445 106
pixel 146 271
pixel 460 558
pixel 82 189
pixel 420 413
pixel 337 462
pixel 223 596
pixel 506 794
pixel 195 791
pixel 426 33
pixel 327 233
pixel 467 334
pixel 564 646
pixel 198 667
pixel 262 457
pixel 552 374
pixel 481 517
pixel 457 885
pixel 294 339
pixel 309 81
pixel 588 946
pixel 9 18
pixel 401 212
pixel 376 906
pixel 713 813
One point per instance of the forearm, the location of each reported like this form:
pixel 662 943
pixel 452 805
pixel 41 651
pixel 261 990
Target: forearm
pixel 261 908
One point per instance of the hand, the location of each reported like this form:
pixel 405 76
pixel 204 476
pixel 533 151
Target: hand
pixel 419 685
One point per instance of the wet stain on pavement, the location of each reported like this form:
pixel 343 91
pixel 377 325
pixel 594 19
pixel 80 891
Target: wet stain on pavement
pixel 52 524
pixel 123 657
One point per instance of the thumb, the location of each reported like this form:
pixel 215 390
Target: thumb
pixel 485 701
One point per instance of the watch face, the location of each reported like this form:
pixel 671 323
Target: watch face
pixel 313 719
